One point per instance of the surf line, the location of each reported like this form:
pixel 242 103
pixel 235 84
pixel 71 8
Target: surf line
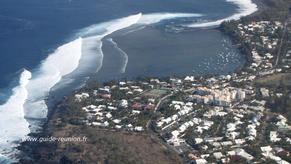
pixel 246 7
pixel 122 53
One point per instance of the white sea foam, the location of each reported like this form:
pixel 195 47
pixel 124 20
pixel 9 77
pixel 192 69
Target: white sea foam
pixel 246 7
pixel 109 27
pixel 13 126
pixel 95 33
pixel 122 23
pixel 157 17
pixel 122 53
pixel 6 160
pixel 60 63
pixel 106 28
pixel 133 30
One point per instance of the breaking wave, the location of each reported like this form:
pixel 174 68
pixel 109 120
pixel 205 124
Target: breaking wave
pixel 158 17
pixel 60 63
pixel 122 53
pixel 246 7
pixel 13 125
pixel 94 34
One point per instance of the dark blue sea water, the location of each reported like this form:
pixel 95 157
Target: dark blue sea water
pixel 42 37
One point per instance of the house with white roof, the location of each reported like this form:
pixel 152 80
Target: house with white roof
pixel 201 161
pixel 244 154
pixel 274 136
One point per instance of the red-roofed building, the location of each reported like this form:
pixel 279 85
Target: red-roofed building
pixel 192 156
pixel 137 106
pixel 284 153
pixel 235 157
pixel 106 96
pixel 148 107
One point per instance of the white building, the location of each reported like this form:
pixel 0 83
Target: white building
pixel 241 95
pixel 123 103
pixel 80 97
pixel 201 161
pixel 274 136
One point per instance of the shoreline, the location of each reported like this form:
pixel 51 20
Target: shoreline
pixel 53 113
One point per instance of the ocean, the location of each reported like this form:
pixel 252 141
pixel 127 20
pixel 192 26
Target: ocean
pixel 50 48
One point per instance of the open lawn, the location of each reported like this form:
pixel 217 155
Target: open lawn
pixel 155 93
pixel 275 80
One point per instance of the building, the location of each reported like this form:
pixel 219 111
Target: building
pixel 80 97
pixel 244 154
pixel 274 136
pixel 137 106
pixel 123 103
pixel 106 96
pixel 201 161
pixel 241 95
pixel 264 92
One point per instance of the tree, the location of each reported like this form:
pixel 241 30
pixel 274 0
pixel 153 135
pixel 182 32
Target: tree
pixel 65 160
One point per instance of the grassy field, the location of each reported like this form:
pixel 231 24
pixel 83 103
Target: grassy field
pixel 155 93
pixel 275 80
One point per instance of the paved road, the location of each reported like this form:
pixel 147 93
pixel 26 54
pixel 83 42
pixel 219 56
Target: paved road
pixel 281 42
pixel 264 127
pixel 170 147
pixel 189 90
pixel 157 107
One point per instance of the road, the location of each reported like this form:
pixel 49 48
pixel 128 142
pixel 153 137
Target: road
pixel 281 42
pixel 264 128
pixel 155 135
pixel 157 107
